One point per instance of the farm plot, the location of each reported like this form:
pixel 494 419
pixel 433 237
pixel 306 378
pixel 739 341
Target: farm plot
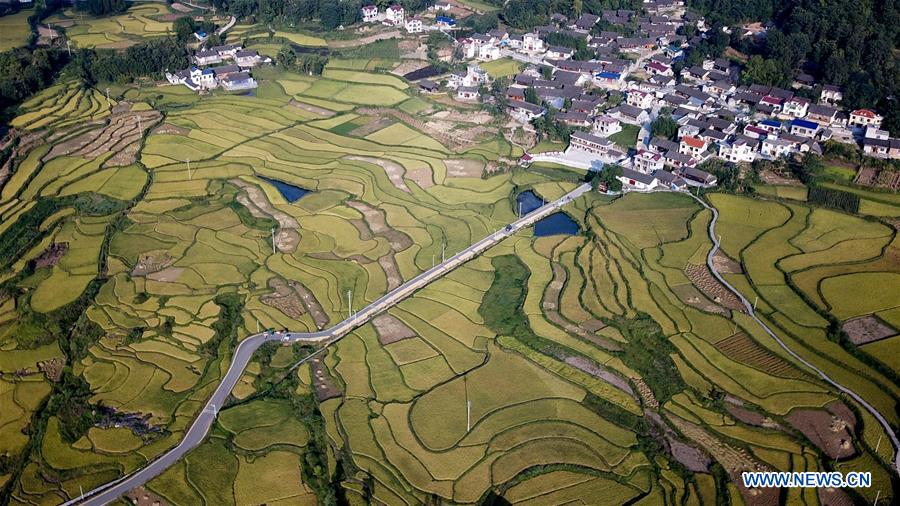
pixel 116 31
pixel 14 29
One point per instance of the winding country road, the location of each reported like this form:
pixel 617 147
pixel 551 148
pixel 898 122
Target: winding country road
pixel 750 311
pixel 198 430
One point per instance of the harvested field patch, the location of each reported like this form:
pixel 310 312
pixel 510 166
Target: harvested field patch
pixel 285 299
pixel 324 386
pixel 867 329
pixel 463 167
pixel 391 329
pixel 830 432
pixel 711 287
pixel 741 348
pixel 393 169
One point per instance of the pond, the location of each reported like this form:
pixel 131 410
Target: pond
pixel 290 192
pixel 556 224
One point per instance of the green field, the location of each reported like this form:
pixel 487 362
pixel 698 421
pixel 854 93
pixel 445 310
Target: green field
pixel 115 31
pixel 14 29
pixel 550 369
pixel 504 67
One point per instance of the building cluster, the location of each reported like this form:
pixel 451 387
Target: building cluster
pixel 395 15
pixel 631 79
pixel 231 71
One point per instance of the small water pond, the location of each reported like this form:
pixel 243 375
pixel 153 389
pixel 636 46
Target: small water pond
pixel 290 192
pixel 556 224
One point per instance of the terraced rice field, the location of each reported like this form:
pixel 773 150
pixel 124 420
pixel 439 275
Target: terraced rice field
pixel 607 364
pixel 14 29
pixel 116 31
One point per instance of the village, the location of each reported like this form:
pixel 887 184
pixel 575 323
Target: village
pixel 635 74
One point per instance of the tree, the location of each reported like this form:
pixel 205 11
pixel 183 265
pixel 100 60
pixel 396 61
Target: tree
pixel 727 174
pixel 664 126
pixel 531 96
pixel 184 28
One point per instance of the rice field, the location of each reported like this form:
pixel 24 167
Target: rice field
pixel 116 31
pixel 14 29
pixel 550 370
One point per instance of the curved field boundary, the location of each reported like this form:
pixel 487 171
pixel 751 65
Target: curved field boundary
pixel 749 308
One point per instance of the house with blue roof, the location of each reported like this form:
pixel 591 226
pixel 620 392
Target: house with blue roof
pixel 445 22
pixel 804 127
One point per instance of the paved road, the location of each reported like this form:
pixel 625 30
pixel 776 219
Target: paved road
pixel 227 26
pixel 244 352
pixel 749 307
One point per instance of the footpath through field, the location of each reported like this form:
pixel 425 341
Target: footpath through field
pixel 198 430
pixel 750 311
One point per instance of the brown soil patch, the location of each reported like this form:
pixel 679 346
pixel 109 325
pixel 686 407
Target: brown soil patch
pixel 121 135
pixel 167 275
pixel 143 497
pixel 742 348
pixel 692 297
pixel 151 262
pixel 321 111
pixel 364 233
pixel 168 128
pixel 734 460
pixel 725 264
pixel 830 432
pixel 462 167
pixel 692 458
pixel 391 270
pixel 750 417
pixel 445 134
pixel 422 176
pixel 391 329
pixel 867 329
pixel 181 7
pixel 834 497
pixel 393 169
pixel 646 393
pixel 362 41
pixel 286 237
pixel 378 226
pixel 371 127
pixel 284 299
pixel 590 367
pixel 52 368
pixel 710 286
pixel 770 177
pixel 409 65
pixel 311 303
pixel 51 255
pixel 170 16
pixel 322 383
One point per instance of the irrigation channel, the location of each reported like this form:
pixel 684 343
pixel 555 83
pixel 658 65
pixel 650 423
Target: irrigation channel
pixel 198 430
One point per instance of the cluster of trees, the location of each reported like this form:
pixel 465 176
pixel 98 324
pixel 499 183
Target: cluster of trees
pixel 23 72
pixel 608 177
pixel 184 28
pixel 101 7
pixel 664 126
pixel 547 127
pixel 331 13
pixel 305 63
pixel 849 43
pixel 582 52
pixel 527 14
pixel 149 58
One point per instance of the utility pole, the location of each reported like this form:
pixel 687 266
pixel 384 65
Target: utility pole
pixel 468 415
pixel 107 97
pixel 754 302
pixel 877 445
pixel 140 128
pixel 349 303
pixel 443 251
pixel 274 251
pixel 189 168
pixel 520 209
pixel 69 48
pixel 877 496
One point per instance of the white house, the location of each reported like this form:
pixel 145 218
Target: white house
pixel 591 143
pixel 795 106
pixel 638 180
pixel 831 94
pixel 804 128
pixel 774 147
pixel 227 51
pixel 648 162
pixel 205 78
pixel 238 81
pixel 248 58
pixel 488 52
pixel 369 14
pixel 738 150
pixel 604 126
pixel 414 25
pixel 442 5
pixel 640 99
pixel 692 146
pixel 532 43
pixel 207 57
pixel 467 93
pixel 865 117
pixel 395 14
pixel 559 53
